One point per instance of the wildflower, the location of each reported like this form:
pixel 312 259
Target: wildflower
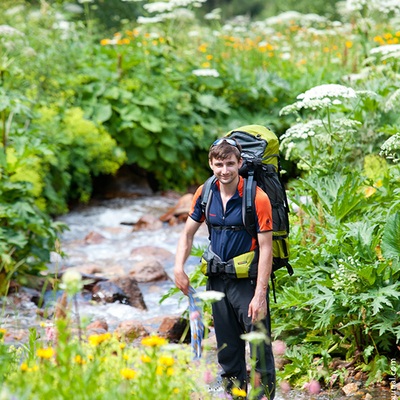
pixel 128 373
pixel 159 370
pixel 2 332
pixel 105 42
pixel 72 282
pixel 313 387
pixel 206 72
pixel 208 377
pixel 125 357
pixel 153 341
pixel 145 358
pixel 369 191
pixel 285 387
pixel 51 333
pixel 166 360
pixel 79 360
pixel 279 347
pixel 391 148
pixel 95 340
pixel 24 367
pixel 349 44
pixel 122 346
pixel 45 353
pixel 238 392
pixel 176 390
pixel 255 337
pixel 210 295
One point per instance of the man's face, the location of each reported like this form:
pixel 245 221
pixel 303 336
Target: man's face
pixel 226 171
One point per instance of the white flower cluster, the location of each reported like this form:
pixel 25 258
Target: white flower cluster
pixel 391 148
pixel 387 51
pixel 383 6
pixel 320 97
pixel 393 101
pixel 166 6
pixel 302 131
pixel 302 19
pixel 343 279
pixel 6 30
pixel 206 72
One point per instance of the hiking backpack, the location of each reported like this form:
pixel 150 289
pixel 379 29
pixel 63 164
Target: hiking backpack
pixel 261 166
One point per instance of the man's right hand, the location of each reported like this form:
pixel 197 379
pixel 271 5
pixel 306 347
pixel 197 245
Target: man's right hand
pixel 181 280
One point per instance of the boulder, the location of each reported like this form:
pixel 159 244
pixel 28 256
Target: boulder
pixel 180 211
pixel 172 328
pixel 132 291
pixel 130 331
pixel 151 252
pixel 109 292
pixel 148 271
pixel 148 222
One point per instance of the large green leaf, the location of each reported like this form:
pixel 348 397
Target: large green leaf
pixel 391 237
pixel 102 112
pixel 151 124
pixel 141 138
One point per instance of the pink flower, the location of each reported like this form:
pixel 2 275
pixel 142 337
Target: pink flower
pixel 313 387
pixel 279 347
pixel 194 315
pixel 50 333
pixel 285 387
pixel 208 377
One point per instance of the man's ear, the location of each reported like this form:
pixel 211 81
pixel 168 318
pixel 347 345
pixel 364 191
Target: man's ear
pixel 240 163
pixel 210 163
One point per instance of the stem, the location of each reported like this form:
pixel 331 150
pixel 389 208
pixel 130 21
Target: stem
pixel 78 318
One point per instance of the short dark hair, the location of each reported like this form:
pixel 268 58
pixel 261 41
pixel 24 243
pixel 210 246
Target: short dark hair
pixel 223 150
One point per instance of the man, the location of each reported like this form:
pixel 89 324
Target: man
pixel 245 307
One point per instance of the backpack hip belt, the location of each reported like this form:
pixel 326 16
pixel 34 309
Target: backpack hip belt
pixel 242 266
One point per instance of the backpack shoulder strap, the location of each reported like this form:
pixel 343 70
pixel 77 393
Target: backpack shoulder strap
pixel 206 194
pixel 249 194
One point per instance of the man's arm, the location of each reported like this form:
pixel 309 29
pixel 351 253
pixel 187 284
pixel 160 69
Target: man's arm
pixel 258 305
pixel 183 252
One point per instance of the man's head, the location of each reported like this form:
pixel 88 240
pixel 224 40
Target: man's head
pixel 224 148
pixel 225 160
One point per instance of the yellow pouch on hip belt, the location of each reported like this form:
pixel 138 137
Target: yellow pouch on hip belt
pixel 238 267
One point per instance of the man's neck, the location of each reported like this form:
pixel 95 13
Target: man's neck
pixel 228 190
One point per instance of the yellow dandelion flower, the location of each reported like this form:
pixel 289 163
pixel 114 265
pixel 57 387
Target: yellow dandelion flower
pixel 104 42
pixel 159 370
pixel 95 340
pixel 136 32
pixel 161 39
pixel 24 367
pixel 90 357
pixel 122 346
pixel 34 368
pixel 335 47
pixel 326 49
pixel 209 57
pixel 379 183
pixel 2 332
pixel 145 358
pixel 369 191
pixel 128 373
pixel 202 48
pixel 175 391
pixel 45 353
pixel 147 35
pixel 154 42
pixel 125 357
pixel 166 360
pixel 397 34
pixel 170 371
pixel 205 65
pixel 153 341
pixel 238 392
pixel 349 44
pixel 79 360
pixel 387 35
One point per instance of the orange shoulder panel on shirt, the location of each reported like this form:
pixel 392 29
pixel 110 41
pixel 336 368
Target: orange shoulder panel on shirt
pixel 196 197
pixel 263 210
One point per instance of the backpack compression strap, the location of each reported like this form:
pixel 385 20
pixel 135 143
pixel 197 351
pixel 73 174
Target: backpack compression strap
pixel 249 194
